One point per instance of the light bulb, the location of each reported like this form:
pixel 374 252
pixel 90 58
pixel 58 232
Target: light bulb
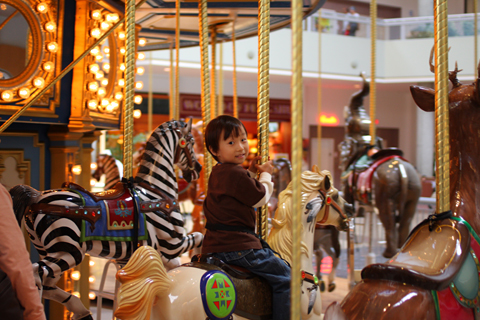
pixel 122 66
pixel 139 85
pixel 93 86
pixel 92 295
pixel 95 33
pixel 106 66
pixel 38 82
pixel 91 279
pixel 141 56
pixel 121 82
pixel 76 275
pixel 96 14
pixel 118 96
pixel 105 102
pixel 121 35
pixel 48 66
pixel 137 113
pixel 92 104
pixel 104 25
pixel 93 182
pixel 106 50
pixel 42 7
pixel 24 93
pixel 77 169
pixel 7 95
pixel 112 17
pixel 99 57
pixel 115 104
pixel 95 51
pixel 50 26
pixel 93 68
pixel 52 47
pixel 123 50
pixel 140 70
pixel 137 99
pixel 142 42
pixel 102 91
pixel 104 82
pixel 99 75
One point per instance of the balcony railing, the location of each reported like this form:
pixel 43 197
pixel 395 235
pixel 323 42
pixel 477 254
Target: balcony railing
pixel 390 29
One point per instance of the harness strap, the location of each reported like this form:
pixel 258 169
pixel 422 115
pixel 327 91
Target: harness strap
pixel 89 213
pixel 225 227
pixel 166 204
pixel 129 185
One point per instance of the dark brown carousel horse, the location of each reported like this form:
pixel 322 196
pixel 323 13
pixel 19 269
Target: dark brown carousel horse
pixel 386 181
pixel 436 273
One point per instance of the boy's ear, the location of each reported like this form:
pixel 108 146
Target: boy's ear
pixel 211 151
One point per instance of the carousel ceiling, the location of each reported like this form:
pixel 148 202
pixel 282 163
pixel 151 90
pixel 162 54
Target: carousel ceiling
pixel 157 19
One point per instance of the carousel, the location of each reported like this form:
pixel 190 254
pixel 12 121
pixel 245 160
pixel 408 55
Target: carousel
pixel 78 80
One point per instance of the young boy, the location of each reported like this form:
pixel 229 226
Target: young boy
pixel 232 195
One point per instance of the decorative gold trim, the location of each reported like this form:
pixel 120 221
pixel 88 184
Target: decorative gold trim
pixel 23 166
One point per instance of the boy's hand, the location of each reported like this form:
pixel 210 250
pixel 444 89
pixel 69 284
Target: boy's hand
pixel 253 164
pixel 266 167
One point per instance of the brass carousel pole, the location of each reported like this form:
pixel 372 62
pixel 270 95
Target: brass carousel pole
pixel 442 177
pixel 319 91
pixel 150 94
pixel 176 113
pixel 129 89
pixel 475 37
pixel 263 100
pixel 297 124
pixel 203 37
pixel 220 81
pixel 235 95
pixel 171 74
pixel 213 70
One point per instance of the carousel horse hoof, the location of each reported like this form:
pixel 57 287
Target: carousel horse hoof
pixel 322 285
pixel 331 286
pixel 388 253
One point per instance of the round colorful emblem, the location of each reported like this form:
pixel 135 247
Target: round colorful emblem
pixel 219 295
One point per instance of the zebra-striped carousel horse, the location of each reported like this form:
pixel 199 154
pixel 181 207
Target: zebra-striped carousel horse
pixel 107 165
pixel 63 224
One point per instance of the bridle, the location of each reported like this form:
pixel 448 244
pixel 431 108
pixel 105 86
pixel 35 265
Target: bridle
pixel 183 142
pixel 328 202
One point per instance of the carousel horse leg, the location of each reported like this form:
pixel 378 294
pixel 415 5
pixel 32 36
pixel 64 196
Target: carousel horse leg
pixel 318 261
pixel 387 217
pixel 71 302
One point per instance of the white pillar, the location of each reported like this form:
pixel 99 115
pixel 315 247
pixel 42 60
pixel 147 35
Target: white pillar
pixel 425 8
pixel 425 142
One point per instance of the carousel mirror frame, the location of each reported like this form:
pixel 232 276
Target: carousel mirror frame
pixel 34 71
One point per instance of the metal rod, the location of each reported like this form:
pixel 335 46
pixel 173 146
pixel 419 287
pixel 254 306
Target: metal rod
pixel 171 112
pixel 176 113
pixel 220 81
pixel 373 70
pixel 235 95
pixel 213 77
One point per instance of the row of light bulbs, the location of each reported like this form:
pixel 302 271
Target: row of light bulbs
pixel 47 66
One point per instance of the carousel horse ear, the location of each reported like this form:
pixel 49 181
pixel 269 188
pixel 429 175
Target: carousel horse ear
pixel 326 182
pixel 188 126
pixel 315 168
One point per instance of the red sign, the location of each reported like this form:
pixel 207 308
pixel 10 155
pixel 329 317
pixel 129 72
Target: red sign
pixel 191 106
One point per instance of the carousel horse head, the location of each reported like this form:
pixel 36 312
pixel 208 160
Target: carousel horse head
pixel 182 292
pixel 107 165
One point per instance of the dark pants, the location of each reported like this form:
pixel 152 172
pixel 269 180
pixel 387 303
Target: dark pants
pixel 9 305
pixel 265 264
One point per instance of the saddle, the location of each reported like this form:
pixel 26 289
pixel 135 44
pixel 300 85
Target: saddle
pixel 117 191
pixel 428 259
pixel 254 294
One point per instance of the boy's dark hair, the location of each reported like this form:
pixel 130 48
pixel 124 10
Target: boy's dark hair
pixel 228 124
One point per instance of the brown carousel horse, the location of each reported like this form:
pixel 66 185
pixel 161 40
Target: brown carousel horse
pixel 385 180
pixel 436 273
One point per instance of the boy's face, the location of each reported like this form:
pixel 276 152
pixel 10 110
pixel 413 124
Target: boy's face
pixel 234 149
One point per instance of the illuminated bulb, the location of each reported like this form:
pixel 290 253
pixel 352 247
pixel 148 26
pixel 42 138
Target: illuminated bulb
pixel 99 75
pixel 50 26
pixel 48 66
pixel 253 150
pixel 112 17
pixel 91 279
pixel 76 294
pixel 7 95
pixel 92 104
pixel 99 57
pixel 137 99
pixel 77 170
pixel 105 102
pixel 3 7
pixel 122 66
pixel 139 85
pixel 95 33
pixel 115 104
pixel 93 182
pixel 93 166
pixel 76 275
pixel 141 56
pixel 121 82
pixel 121 35
pixel 109 108
pixel 42 7
pixel 52 47
pixel 102 91
pixel 24 93
pixel 94 68
pixel 93 86
pixel 92 295
pixel 137 113
pixel 123 50
pixel 95 51
pixel 96 14
pixel 140 70
pixel 38 82
pixel 142 42
pixel 91 263
pixel 106 66
pixel 118 96
pixel 106 50
pixel 104 82
pixel 104 25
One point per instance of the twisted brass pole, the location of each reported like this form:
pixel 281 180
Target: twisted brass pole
pixel 213 70
pixel 203 39
pixel 171 74
pixel 176 112
pixel 475 37
pixel 373 70
pixel 263 100
pixel 319 91
pixel 220 81
pixel 297 121
pixel 235 95
pixel 129 89
pixel 63 73
pixel 442 147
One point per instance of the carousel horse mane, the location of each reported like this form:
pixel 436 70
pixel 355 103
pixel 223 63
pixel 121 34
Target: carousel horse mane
pixel 280 238
pixel 143 278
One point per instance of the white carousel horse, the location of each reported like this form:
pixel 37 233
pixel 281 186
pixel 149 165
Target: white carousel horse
pixel 65 224
pixel 198 290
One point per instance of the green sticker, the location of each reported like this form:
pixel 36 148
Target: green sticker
pixel 220 295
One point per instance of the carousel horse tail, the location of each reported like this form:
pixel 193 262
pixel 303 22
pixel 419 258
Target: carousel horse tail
pixel 22 196
pixel 142 279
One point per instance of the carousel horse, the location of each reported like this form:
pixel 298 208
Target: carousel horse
pixel 385 180
pixel 435 275
pixel 65 224
pixel 107 165
pixel 207 288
